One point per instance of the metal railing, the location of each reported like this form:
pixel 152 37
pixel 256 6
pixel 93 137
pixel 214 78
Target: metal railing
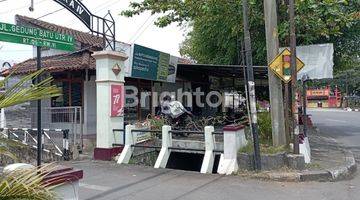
pixel 70 118
pixel 189 132
pixel 58 144
pixel 175 132
pixel 146 131
pixel 135 131
pixel 123 136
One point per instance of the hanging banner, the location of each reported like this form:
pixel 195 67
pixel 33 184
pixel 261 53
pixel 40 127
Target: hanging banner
pixel 153 65
pixel 117 100
pixel 318 60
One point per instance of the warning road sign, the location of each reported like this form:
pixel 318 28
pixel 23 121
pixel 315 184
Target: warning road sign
pixel 281 65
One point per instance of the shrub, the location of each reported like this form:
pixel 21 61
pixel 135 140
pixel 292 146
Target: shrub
pixel 27 184
pixel 265 129
pixel 155 122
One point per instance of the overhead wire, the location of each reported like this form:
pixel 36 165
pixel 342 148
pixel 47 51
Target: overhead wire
pixel 142 25
pixel 138 33
pixel 19 8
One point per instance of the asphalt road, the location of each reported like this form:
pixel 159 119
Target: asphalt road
pixel 110 181
pixel 342 125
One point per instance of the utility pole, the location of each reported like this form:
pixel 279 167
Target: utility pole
pixel 304 98
pixel 275 85
pixel 39 130
pixel 251 87
pixel 295 111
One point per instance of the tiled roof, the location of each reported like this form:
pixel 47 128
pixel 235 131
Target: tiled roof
pixel 84 38
pixel 64 62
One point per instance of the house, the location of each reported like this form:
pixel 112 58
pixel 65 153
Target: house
pixel 147 70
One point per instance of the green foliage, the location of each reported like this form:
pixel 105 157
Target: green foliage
pixel 6 145
pixel 347 81
pixel 264 149
pixel 265 128
pixel 19 93
pixel 156 122
pixel 265 137
pixel 27 184
pixel 216 27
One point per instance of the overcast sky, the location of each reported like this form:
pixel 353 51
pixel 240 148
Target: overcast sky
pixel 139 29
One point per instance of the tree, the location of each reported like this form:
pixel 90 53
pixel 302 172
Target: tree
pixel 29 184
pixel 216 26
pixel 20 93
pixel 25 184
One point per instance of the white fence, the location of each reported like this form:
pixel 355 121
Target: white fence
pixel 70 118
pixel 58 144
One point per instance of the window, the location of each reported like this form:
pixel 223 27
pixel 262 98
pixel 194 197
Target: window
pixel 72 93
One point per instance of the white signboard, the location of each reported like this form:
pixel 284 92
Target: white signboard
pixel 125 48
pixel 143 137
pixel 318 60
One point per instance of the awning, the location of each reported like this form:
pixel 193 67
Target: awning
pixel 183 70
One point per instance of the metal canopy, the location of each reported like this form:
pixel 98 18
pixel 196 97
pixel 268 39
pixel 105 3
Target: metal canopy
pixel 184 70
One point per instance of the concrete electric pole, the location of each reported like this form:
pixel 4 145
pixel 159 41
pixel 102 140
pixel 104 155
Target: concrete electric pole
pixel 279 135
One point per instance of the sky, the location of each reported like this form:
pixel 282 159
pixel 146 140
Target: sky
pixel 139 29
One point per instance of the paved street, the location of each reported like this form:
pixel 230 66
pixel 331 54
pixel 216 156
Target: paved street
pixel 110 181
pixel 342 125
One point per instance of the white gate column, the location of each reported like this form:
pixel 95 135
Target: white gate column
pixel 110 97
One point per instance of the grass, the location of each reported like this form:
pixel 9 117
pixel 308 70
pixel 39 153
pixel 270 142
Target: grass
pixel 313 165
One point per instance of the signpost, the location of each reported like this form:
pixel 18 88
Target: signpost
pixel 39 38
pixel 36 37
pixel 281 65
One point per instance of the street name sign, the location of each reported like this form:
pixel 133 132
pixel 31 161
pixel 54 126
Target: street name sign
pixel 36 37
pixel 281 65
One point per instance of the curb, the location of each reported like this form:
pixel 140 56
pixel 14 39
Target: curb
pixel 344 172
pixel 352 109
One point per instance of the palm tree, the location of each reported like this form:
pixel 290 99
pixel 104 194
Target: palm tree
pixel 25 184
pixel 21 93
pixel 29 184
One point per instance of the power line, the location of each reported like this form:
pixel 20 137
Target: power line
pixel 50 13
pixel 139 29
pixel 103 6
pixel 18 8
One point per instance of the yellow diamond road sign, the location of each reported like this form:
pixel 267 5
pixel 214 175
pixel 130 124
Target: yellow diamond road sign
pixel 281 65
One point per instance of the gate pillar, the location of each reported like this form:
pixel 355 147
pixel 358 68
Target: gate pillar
pixel 110 100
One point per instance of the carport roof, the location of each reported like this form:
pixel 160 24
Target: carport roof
pixel 260 72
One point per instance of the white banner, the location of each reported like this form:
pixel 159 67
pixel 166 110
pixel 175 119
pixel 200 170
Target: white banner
pixel 318 60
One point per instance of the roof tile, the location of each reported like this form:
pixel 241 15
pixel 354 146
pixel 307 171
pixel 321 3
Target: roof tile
pixel 64 62
pixel 84 38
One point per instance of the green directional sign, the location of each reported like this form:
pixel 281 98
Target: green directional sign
pixel 36 37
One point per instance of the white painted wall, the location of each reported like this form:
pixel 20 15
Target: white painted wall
pixel 90 106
